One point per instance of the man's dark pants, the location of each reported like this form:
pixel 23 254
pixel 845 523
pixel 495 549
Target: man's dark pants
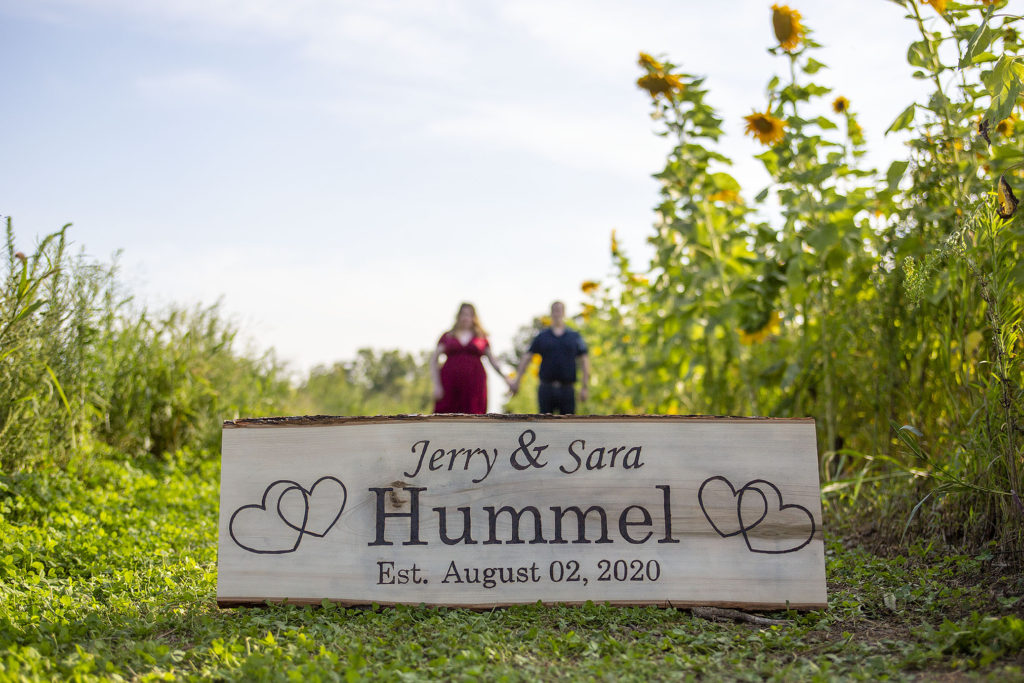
pixel 560 396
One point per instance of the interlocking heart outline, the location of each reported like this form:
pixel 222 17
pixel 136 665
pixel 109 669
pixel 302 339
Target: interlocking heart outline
pixel 745 528
pixel 286 516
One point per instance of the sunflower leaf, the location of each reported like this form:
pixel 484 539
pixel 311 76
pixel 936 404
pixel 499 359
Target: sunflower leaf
pixel 895 174
pixel 1004 82
pixel 983 58
pixel 919 54
pixel 824 123
pixel 938 102
pixel 977 44
pixel 823 236
pixel 903 120
pixel 813 66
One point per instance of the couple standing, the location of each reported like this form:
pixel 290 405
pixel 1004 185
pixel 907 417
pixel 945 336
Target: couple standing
pixel 460 385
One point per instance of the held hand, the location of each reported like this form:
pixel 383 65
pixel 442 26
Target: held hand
pixel 513 386
pixel 584 392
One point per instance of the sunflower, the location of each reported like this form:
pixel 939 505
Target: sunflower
pixel 770 327
pixel 660 83
pixel 650 63
pixel 1007 201
pixel 939 5
pixel 588 286
pixel 1005 127
pixel 765 128
pixel 727 196
pixel 840 104
pixel 788 28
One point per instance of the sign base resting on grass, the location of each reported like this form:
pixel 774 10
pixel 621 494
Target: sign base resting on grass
pixel 481 511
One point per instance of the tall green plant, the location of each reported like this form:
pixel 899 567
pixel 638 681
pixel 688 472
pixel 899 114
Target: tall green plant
pixel 46 315
pixel 665 339
pixel 735 315
pixel 960 241
pixel 824 248
pixel 169 380
pixel 867 302
pixel 80 365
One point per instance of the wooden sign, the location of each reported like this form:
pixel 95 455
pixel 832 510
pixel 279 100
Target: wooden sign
pixel 480 511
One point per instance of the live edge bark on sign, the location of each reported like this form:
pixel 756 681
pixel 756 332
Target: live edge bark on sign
pixel 482 511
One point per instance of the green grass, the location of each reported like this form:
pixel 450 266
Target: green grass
pixel 108 571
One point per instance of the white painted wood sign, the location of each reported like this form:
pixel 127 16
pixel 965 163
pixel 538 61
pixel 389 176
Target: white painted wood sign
pixel 481 511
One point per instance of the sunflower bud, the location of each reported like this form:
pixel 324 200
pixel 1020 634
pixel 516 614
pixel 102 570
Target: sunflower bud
pixel 788 29
pixel 1006 198
pixel 649 62
pixel 660 84
pixel 1006 126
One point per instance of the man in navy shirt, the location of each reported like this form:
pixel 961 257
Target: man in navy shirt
pixel 558 347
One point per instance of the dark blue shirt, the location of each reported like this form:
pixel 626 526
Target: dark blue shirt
pixel 558 354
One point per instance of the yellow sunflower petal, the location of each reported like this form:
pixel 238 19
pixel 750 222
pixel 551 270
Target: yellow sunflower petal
pixel 727 196
pixel 660 84
pixel 765 128
pixel 788 29
pixel 649 62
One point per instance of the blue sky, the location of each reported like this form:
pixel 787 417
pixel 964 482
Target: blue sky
pixel 343 174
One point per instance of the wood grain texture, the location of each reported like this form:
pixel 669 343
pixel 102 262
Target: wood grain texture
pixel 481 511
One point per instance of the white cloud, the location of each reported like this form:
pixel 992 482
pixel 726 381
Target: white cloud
pixel 575 139
pixel 389 41
pixel 605 36
pixel 395 36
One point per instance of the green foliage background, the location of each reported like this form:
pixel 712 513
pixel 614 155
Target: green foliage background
pixel 886 305
pixel 375 383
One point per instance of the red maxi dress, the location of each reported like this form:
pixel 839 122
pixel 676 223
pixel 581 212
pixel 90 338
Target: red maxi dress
pixel 463 377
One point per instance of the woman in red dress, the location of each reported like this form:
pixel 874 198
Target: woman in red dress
pixel 460 385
